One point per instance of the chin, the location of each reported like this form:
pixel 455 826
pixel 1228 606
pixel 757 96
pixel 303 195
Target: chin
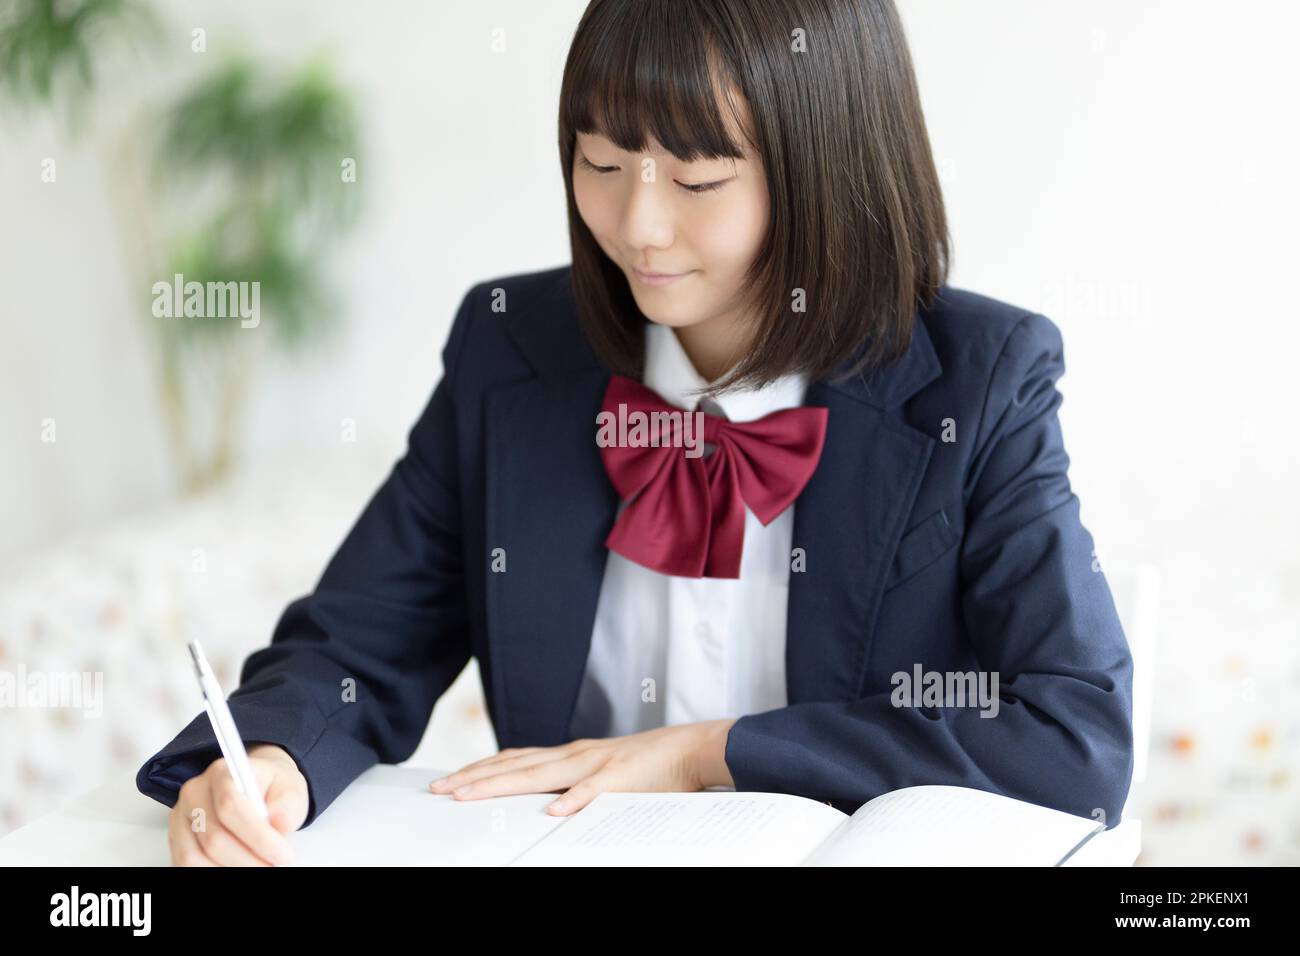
pixel 672 320
pixel 675 315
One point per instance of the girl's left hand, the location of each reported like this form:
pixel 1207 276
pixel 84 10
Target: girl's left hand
pixel 684 757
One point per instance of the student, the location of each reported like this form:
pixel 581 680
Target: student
pixel 879 493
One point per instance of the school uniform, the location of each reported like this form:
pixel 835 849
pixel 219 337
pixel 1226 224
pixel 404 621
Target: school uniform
pixel 938 533
pixel 671 649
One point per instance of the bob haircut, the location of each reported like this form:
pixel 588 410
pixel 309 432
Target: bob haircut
pixel 856 212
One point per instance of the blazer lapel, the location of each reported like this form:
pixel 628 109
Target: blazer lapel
pixel 848 522
pixel 549 507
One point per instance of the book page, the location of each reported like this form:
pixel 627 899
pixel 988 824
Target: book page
pixel 390 817
pixel 722 828
pixel 952 826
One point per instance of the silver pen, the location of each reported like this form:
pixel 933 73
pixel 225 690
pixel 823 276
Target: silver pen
pixel 223 725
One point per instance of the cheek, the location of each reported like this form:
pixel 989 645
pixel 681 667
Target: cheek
pixel 731 232
pixel 595 209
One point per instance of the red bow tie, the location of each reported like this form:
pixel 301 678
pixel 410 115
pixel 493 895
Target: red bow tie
pixel 686 515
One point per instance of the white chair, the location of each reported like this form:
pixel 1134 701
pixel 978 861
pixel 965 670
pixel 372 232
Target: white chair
pixel 1136 589
pixel 1137 598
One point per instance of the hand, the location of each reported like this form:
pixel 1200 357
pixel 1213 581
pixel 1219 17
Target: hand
pixel 682 758
pixel 228 831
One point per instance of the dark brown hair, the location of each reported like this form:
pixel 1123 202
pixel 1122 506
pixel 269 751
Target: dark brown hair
pixel 857 218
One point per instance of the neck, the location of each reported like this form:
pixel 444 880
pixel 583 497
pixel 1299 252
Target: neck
pixel 715 345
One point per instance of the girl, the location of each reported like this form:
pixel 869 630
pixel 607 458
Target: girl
pixel 875 516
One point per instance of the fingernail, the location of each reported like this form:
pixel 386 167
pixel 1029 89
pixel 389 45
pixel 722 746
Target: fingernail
pixel 463 790
pixel 439 784
pixel 556 807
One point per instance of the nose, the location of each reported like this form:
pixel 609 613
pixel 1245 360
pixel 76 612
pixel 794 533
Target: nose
pixel 647 217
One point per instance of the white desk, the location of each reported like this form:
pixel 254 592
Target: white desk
pixel 116 825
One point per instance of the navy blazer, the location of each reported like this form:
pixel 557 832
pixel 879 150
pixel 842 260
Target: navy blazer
pixel 955 555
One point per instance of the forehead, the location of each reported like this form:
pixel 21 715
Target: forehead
pixel 689 109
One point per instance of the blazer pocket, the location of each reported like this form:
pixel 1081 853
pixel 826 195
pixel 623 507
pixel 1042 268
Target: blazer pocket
pixel 921 546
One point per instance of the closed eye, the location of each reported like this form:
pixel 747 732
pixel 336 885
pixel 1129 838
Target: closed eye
pixel 585 163
pixel 693 188
pixel 704 187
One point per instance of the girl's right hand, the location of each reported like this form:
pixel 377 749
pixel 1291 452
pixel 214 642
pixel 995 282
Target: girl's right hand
pixel 213 824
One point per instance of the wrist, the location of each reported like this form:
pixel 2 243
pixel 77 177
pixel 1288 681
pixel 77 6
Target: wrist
pixel 711 755
pixel 272 752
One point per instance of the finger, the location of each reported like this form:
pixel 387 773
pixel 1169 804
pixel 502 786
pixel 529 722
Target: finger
pixel 224 849
pixel 581 794
pixel 181 842
pixel 509 753
pixel 236 813
pixel 504 766
pixel 216 840
pixel 539 778
pixel 473 773
pixel 197 821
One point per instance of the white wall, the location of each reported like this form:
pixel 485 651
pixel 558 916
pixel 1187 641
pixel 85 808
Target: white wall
pixel 461 174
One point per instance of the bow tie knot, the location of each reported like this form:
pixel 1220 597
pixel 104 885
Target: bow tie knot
pixel 685 514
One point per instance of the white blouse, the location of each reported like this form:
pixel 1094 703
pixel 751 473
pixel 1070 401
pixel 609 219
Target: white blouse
pixel 672 650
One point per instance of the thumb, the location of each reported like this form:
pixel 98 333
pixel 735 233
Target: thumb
pixel 286 800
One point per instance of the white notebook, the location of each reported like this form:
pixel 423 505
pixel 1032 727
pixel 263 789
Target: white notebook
pixel 389 817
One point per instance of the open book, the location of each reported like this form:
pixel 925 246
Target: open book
pixel 389 817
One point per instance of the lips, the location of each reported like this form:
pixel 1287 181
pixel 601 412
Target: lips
pixel 659 278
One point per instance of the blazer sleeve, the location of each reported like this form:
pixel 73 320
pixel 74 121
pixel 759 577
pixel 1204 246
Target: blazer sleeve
pixel 354 669
pixel 1039 613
